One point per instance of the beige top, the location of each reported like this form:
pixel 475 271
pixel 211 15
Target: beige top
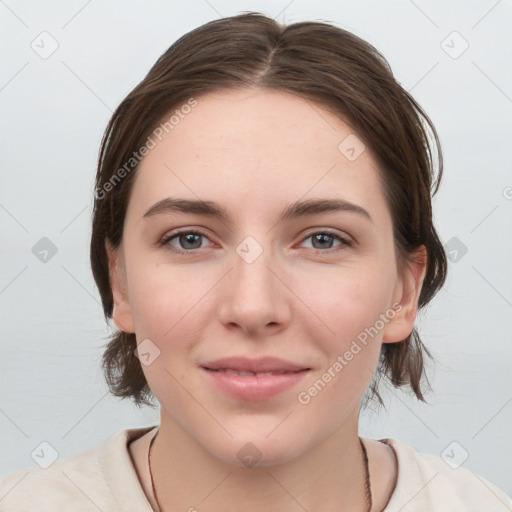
pixel 105 479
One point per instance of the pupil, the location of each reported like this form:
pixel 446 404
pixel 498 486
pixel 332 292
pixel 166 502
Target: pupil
pixel 321 237
pixel 189 239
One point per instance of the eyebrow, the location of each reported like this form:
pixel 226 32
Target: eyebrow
pixel 294 210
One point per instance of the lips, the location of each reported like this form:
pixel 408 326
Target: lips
pixel 248 367
pixel 254 379
pixel 242 373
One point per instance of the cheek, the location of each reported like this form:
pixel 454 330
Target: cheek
pixel 166 301
pixel 171 309
pixel 352 303
pixel 352 308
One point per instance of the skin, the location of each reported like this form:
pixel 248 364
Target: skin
pixel 254 152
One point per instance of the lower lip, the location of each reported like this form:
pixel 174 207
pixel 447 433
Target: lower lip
pixel 255 387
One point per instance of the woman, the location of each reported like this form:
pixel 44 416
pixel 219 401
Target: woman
pixel 262 239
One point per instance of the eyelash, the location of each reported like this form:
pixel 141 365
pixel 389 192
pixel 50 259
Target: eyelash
pixel 345 242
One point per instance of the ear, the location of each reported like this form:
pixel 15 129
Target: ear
pixel 406 296
pixel 122 313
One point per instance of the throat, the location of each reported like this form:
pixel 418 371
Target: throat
pixel 171 486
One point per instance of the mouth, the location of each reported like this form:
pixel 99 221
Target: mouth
pixel 242 373
pixel 254 379
pixel 249 367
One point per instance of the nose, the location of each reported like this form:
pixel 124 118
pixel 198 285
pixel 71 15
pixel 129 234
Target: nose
pixel 253 297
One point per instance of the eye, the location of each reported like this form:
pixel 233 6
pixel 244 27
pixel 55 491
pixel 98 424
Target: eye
pixel 322 241
pixel 185 241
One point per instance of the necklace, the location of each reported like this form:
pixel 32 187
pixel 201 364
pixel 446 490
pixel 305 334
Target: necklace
pixel 367 484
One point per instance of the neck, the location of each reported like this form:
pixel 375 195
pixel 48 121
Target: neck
pixel 329 477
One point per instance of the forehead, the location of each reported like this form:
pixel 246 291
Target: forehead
pixel 265 146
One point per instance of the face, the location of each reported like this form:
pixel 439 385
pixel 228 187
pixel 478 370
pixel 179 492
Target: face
pixel 259 305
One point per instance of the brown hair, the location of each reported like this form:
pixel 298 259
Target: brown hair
pixel 318 62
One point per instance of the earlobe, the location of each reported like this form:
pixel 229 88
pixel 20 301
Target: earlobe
pixel 121 314
pixel 408 293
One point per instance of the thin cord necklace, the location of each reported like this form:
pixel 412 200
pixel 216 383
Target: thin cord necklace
pixel 368 487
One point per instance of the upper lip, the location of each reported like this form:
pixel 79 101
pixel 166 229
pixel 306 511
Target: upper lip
pixel 255 365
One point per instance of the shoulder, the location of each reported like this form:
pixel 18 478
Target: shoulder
pixel 428 482
pixel 101 478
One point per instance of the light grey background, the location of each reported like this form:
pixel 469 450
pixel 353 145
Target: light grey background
pixel 53 113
